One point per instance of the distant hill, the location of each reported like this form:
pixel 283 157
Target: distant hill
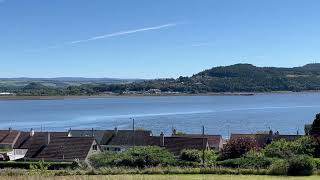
pixel 61 81
pixel 243 78
pixel 233 78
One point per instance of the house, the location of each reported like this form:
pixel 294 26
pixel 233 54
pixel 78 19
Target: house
pixel 62 148
pixel 28 139
pixel 214 141
pixel 264 139
pixel 176 144
pixel 115 140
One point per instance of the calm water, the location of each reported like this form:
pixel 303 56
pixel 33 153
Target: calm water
pixel 286 113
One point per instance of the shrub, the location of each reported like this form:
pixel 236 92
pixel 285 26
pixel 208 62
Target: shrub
pixel 317 163
pixel 278 167
pixel 279 149
pixel 39 169
pixel 300 166
pixel 210 157
pixel 304 146
pixel 286 149
pixel 139 157
pixel 250 160
pixel 237 147
pixel 192 155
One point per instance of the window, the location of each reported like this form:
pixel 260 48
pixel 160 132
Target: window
pixel 95 147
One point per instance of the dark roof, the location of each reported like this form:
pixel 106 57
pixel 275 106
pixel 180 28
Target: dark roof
pixel 115 137
pixel 8 137
pixel 25 140
pixel 177 144
pixel 125 138
pixel 213 140
pixel 66 148
pixel 97 134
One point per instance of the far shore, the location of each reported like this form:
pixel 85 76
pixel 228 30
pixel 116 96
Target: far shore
pixel 147 95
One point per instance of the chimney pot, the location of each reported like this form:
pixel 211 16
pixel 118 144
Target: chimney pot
pixel 161 139
pixel 47 138
pixel 174 131
pixel 31 132
pixel 69 133
pixel 115 130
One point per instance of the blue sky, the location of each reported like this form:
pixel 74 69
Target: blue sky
pixel 153 39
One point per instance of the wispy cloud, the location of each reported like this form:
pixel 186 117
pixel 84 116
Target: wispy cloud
pixel 105 36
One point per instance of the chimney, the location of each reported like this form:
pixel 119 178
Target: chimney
pixel 47 137
pixel 115 130
pixel 69 133
pixel 92 132
pixel 270 132
pixel 10 129
pixel 161 139
pixel 31 132
pixel 174 131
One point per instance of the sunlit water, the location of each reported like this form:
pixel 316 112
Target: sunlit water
pixel 286 113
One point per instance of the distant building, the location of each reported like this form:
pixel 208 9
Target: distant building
pixel 6 94
pixel 154 91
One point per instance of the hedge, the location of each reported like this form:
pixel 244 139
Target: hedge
pixel 26 165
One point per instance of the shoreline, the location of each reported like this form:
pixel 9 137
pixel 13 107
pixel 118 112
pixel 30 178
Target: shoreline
pixel 3 98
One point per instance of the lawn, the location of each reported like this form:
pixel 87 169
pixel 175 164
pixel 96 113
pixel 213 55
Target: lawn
pixel 166 177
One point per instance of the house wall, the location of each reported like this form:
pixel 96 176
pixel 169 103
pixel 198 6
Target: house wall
pixel 92 151
pixel 17 154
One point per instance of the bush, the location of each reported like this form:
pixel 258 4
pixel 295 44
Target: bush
pixel 139 157
pixel 278 167
pixel 317 163
pixel 300 166
pixel 210 157
pixel 237 147
pixel 279 149
pixel 192 155
pixel 249 161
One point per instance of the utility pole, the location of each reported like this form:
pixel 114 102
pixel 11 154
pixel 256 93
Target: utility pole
pixel 203 146
pixel 134 134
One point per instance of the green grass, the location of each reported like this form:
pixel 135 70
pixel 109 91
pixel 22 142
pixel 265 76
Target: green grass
pixel 167 177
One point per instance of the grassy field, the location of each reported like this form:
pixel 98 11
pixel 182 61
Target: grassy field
pixel 166 177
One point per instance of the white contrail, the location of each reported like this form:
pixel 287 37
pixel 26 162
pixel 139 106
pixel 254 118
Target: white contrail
pixel 104 36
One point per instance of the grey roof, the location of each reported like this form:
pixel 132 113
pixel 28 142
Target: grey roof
pixel 115 137
pixel 25 139
pixel 213 140
pixel 177 144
